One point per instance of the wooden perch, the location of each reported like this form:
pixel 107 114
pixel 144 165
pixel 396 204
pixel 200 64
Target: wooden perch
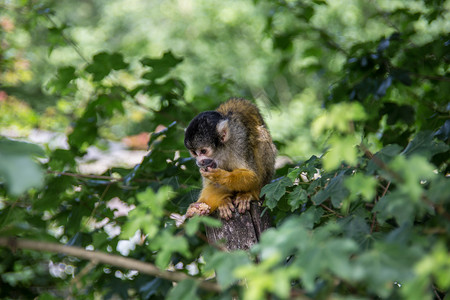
pixel 241 231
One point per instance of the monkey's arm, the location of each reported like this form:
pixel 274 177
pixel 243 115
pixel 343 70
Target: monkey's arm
pixel 243 181
pixel 239 180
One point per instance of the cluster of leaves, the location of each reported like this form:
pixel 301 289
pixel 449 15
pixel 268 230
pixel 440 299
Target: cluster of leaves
pixel 367 219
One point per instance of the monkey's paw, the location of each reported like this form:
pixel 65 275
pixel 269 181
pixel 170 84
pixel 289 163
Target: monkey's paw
pixel 226 210
pixel 198 208
pixel 242 202
pixel 215 175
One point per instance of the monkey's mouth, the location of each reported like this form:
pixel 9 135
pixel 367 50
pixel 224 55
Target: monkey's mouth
pixel 211 165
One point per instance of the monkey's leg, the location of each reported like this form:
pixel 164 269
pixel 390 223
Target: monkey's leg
pixel 215 198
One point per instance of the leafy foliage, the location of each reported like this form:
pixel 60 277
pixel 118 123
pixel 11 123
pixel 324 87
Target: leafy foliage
pixel 367 218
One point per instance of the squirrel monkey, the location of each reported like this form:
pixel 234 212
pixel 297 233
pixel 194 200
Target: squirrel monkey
pixel 235 154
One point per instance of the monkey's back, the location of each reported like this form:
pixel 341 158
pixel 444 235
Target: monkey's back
pixel 259 138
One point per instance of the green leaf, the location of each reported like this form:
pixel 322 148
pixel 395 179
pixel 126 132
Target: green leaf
pixel 152 287
pixel 283 240
pixel 18 169
pixel 439 191
pixel 10 147
pixel 342 149
pixel 311 216
pixel 224 263
pixel 265 277
pixel 361 185
pixel 426 145
pixel 385 155
pixel 335 190
pixel 193 225
pixel 413 171
pixel 385 264
pixel 274 191
pixel 293 174
pixel 396 205
pixel 184 290
pixel 356 228
pixel 338 118
pixel 160 67
pixel 166 244
pixel 103 63
pixel 62 80
pixel 297 197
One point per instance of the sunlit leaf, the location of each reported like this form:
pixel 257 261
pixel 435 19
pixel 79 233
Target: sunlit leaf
pixel 160 67
pixel 225 263
pixel 359 184
pixel 193 225
pixel 103 63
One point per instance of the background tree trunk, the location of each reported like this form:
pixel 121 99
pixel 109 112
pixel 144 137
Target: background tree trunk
pixel 241 231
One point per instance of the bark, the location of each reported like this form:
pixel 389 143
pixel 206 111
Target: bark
pixel 241 231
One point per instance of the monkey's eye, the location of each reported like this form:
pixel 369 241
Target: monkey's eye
pixel 203 151
pixel 193 153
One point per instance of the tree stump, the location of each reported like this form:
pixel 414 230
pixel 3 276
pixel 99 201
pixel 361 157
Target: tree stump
pixel 241 231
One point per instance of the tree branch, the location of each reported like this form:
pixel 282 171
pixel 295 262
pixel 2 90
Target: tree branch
pixel 100 177
pixel 100 257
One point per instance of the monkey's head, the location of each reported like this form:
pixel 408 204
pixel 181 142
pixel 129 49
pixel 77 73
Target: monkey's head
pixel 206 138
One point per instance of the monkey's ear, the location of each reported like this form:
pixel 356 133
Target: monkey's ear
pixel 223 130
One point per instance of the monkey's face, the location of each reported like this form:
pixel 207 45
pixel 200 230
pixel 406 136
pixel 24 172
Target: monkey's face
pixel 204 158
pixel 205 139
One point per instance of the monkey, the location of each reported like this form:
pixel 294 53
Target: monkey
pixel 236 156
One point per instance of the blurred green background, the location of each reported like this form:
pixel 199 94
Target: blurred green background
pixel 257 50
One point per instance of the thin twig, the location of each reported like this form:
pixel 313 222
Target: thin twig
pixel 330 210
pixel 77 279
pixel 386 189
pixel 68 40
pixel 110 259
pixel 374 217
pixel 436 293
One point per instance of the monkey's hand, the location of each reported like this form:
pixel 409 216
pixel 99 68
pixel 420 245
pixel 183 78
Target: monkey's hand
pixel 242 201
pixel 215 175
pixel 198 208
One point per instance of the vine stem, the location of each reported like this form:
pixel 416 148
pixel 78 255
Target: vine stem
pixel 110 259
pixel 68 40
